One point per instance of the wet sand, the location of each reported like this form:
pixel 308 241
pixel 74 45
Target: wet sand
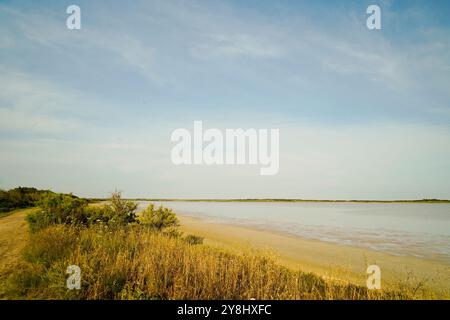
pixel 330 260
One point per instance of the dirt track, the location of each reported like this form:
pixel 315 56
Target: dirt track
pixel 13 237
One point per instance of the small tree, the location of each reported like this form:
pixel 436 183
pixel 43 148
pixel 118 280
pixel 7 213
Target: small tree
pixel 158 218
pixel 120 212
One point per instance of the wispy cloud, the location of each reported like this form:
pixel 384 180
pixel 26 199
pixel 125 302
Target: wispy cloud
pixel 103 99
pixel 44 28
pixel 29 105
pixel 236 45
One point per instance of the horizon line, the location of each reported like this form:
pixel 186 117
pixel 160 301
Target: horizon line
pixel 281 200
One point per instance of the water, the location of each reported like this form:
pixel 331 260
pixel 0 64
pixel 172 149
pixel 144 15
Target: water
pixel 421 230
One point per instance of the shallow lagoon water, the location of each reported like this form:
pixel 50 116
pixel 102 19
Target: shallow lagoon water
pixel 421 230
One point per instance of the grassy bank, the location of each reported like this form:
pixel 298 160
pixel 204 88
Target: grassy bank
pixel 126 255
pixel 137 263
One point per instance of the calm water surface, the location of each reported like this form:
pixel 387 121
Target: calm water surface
pixel 421 230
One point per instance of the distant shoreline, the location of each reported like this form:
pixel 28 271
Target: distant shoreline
pixel 283 200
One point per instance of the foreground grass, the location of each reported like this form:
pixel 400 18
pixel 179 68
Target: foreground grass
pixel 13 239
pixel 136 263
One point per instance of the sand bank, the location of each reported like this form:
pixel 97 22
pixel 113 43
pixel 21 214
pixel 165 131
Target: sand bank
pixel 330 260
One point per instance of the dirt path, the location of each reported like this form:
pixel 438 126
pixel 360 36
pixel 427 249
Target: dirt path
pixel 13 237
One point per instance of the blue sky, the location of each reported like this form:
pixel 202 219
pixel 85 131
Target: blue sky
pixel 362 114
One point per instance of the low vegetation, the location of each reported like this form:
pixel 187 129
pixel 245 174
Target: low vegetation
pixel 124 254
pixel 137 263
pixel 19 198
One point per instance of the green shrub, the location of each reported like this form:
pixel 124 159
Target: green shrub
pixel 193 239
pixel 58 209
pixel 22 197
pixel 64 209
pixel 159 218
pixel 120 212
pixel 117 212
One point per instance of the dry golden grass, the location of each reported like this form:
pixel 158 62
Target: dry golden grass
pixel 13 238
pixel 428 278
pixel 135 263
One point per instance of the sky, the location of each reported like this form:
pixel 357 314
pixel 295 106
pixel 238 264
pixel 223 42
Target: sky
pixel 362 114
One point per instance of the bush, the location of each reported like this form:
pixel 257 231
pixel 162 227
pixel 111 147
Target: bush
pixel 64 209
pixel 158 219
pixel 192 239
pixel 58 209
pixel 21 197
pixel 120 212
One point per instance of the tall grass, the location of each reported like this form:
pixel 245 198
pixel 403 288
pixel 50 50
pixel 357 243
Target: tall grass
pixel 138 263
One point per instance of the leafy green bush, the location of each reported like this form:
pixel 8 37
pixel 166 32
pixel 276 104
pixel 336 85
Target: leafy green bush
pixel 120 212
pixel 158 218
pixel 21 197
pixel 64 209
pixel 58 209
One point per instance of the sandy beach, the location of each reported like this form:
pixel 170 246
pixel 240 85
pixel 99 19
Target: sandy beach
pixel 340 262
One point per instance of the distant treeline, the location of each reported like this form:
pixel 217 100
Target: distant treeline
pixel 22 197
pixel 25 197
pixel 291 200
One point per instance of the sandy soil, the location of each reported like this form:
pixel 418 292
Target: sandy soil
pixel 327 259
pixel 13 237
